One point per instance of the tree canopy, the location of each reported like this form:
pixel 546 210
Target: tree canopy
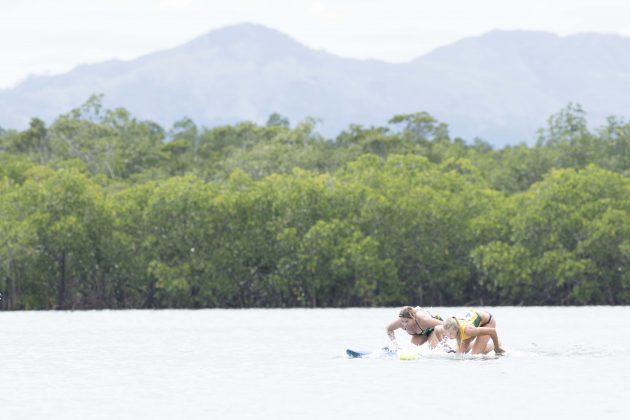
pixel 102 210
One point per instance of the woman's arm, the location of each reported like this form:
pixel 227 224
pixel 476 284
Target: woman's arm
pixel 492 332
pixel 391 328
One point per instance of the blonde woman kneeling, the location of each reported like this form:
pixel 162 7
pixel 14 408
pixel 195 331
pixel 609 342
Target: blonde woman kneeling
pixel 473 332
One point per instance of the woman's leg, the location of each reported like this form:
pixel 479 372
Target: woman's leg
pixel 482 344
pixel 464 346
pixel 434 339
pixel 419 340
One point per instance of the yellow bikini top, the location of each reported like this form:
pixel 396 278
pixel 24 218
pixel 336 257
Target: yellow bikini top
pixel 471 318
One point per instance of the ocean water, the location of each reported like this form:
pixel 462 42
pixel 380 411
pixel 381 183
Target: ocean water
pixel 284 364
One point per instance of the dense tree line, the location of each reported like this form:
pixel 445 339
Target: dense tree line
pixel 101 210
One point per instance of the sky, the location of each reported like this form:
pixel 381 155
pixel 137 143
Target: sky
pixel 50 37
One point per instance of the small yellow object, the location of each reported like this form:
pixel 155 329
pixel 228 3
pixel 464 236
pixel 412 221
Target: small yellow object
pixel 408 355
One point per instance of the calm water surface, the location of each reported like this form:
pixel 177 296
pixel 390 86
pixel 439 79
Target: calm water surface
pixel 287 364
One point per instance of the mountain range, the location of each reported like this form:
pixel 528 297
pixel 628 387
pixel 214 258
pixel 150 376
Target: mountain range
pixel 500 86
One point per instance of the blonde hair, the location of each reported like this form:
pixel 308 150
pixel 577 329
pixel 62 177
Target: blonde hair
pixel 450 324
pixel 407 312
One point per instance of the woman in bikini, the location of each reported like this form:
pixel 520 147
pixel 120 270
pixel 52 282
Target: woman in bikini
pixel 419 324
pixel 473 332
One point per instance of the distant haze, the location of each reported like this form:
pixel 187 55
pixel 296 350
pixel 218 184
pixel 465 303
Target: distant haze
pixel 51 37
pixel 500 86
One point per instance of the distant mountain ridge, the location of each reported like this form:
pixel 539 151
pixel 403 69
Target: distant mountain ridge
pixel 500 86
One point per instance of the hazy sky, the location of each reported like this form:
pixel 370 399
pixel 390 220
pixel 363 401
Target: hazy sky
pixel 46 36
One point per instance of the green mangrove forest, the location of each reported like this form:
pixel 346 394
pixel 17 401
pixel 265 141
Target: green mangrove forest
pixel 99 209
